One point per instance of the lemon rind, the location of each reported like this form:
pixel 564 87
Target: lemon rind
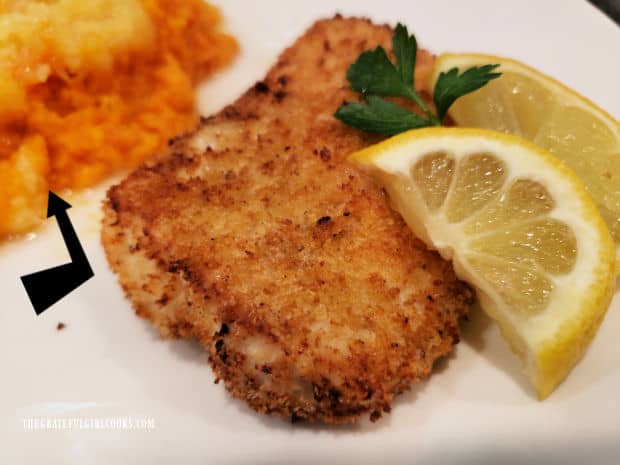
pixel 463 60
pixel 545 354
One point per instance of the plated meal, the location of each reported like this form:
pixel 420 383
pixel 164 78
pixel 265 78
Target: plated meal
pixel 324 236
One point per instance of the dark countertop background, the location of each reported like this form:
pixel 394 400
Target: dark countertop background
pixel 610 7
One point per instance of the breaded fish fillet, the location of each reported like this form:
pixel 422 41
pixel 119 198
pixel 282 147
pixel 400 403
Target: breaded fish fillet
pixel 256 237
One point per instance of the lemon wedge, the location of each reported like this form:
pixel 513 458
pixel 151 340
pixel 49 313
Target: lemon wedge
pixel 529 104
pixel 518 225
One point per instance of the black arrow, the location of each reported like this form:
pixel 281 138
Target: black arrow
pixel 47 287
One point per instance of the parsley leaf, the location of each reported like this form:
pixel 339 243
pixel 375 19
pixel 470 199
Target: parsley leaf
pixel 374 74
pixel 379 115
pixel 451 85
pixel 405 49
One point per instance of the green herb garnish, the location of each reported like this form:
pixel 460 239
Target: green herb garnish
pixel 374 75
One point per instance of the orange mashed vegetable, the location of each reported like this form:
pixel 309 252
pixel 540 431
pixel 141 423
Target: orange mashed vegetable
pixel 71 123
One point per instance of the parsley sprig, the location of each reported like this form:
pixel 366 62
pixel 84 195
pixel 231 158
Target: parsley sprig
pixel 374 75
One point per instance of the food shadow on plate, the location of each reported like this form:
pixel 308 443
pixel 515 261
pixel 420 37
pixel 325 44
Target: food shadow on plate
pixel 479 333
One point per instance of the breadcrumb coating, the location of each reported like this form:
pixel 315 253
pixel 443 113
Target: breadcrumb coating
pixel 255 236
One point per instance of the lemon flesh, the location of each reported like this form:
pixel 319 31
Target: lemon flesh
pixel 526 103
pixel 519 227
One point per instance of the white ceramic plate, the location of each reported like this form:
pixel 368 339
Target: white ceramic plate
pixel 107 364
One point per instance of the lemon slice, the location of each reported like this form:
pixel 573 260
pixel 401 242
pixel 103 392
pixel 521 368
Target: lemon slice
pixel 518 225
pixel 529 104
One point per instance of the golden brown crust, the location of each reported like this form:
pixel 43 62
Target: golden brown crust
pixel 255 236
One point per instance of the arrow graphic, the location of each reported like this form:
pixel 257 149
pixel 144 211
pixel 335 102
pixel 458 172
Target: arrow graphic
pixel 47 287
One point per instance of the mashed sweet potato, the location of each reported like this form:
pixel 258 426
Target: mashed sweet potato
pixel 91 88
